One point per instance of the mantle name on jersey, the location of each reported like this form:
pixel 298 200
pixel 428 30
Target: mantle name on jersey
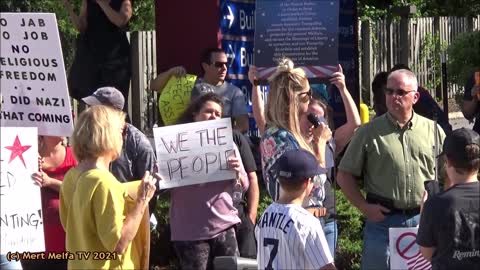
pixel 275 220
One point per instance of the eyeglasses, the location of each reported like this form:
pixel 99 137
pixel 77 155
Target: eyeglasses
pixel 220 64
pixel 397 92
pixel 305 96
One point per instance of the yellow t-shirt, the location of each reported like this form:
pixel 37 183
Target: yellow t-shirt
pixel 92 212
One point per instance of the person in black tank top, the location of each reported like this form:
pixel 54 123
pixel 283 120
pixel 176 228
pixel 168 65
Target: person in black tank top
pixel 102 57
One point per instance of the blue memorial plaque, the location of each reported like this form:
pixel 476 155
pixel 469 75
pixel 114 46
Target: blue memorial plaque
pixel 304 31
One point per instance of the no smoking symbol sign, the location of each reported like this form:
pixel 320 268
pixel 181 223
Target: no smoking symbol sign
pixel 406 246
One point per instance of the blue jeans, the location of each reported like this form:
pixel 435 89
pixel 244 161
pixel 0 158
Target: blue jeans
pixel 331 233
pixel 376 254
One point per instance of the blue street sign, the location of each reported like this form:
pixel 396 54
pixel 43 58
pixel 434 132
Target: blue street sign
pixel 237 18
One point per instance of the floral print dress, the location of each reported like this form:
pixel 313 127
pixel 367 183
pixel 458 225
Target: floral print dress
pixel 274 143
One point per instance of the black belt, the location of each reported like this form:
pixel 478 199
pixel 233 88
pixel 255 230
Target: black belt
pixel 407 212
pixel 388 203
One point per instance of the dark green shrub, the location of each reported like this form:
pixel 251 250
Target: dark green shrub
pixel 350 234
pixel 463 57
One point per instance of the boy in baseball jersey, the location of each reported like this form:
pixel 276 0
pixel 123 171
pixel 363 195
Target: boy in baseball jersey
pixel 288 236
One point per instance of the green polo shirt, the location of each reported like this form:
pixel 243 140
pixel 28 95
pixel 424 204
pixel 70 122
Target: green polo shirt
pixel 394 162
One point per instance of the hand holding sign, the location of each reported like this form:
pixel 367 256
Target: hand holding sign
pixel 176 96
pixel 177 71
pixel 195 153
pixel 233 162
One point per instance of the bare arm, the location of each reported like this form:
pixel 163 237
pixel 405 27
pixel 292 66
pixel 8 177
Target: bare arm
pixel 349 187
pixel 258 107
pixel 347 183
pixel 79 21
pixel 253 195
pixel 344 133
pixel 145 193
pixel 161 80
pixel 119 18
pixel 427 252
pixel 43 180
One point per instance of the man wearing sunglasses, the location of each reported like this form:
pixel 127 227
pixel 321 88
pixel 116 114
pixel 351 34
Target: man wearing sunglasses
pixel 394 155
pixel 214 64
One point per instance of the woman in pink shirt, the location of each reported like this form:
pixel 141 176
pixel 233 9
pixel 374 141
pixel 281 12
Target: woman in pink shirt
pixel 202 216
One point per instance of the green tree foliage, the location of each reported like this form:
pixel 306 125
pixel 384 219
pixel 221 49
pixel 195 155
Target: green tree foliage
pixel 464 57
pixel 350 234
pixel 377 9
pixel 143 18
pixel 430 50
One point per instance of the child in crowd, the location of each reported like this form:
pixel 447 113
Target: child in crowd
pixel 288 236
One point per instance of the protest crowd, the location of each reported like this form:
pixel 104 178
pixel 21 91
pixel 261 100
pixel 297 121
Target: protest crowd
pixel 100 184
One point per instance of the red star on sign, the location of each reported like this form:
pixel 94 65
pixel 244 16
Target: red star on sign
pixel 17 150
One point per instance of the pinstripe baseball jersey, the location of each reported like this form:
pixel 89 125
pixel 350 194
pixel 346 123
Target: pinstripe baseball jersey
pixel 289 237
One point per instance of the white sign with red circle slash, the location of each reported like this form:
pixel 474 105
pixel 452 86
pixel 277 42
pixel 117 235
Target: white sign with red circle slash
pixel 404 251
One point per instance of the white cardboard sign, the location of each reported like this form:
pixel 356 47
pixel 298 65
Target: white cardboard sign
pixel 32 74
pixel 21 223
pixel 194 153
pixel 404 250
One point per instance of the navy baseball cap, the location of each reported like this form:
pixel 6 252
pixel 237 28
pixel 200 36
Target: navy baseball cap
pixel 109 96
pixel 455 143
pixel 297 164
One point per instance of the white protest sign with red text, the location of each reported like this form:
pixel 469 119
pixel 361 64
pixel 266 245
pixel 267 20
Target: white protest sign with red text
pixel 21 223
pixel 32 74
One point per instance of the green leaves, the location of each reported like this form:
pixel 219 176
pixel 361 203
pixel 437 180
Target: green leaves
pixel 143 18
pixel 463 57
pixel 379 9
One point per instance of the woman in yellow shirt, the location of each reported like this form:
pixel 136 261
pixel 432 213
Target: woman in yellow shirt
pixel 99 226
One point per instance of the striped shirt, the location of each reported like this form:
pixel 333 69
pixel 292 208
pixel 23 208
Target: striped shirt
pixel 289 237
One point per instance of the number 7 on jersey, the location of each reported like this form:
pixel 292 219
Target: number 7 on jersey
pixel 273 252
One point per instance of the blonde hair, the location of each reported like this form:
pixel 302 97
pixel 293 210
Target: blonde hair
pixel 97 133
pixel 282 103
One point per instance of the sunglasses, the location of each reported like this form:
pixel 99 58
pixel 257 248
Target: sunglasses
pixel 220 64
pixel 397 92
pixel 305 96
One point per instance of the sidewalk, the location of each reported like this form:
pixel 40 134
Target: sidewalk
pixel 457 120
pixel 455 115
